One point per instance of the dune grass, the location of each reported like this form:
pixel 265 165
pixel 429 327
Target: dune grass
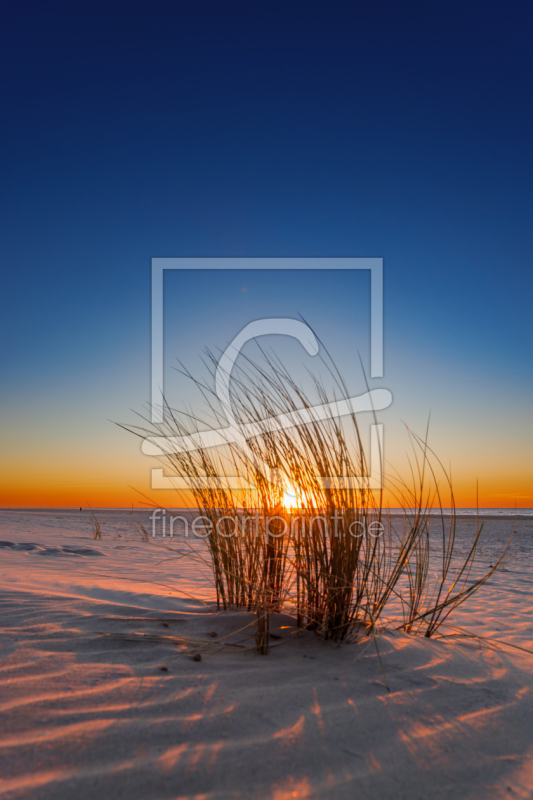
pixel 337 561
pixel 97 530
pixel 141 530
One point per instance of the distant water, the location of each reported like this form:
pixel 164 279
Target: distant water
pixel 481 512
pixel 491 512
pixel 460 512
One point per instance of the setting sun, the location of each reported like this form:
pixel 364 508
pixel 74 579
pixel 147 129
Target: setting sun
pixel 290 499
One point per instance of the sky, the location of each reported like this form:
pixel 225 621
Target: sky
pixel 134 130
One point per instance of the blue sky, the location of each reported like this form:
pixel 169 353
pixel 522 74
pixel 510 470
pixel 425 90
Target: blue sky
pixel 134 130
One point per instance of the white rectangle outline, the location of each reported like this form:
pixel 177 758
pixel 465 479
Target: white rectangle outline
pixel 159 265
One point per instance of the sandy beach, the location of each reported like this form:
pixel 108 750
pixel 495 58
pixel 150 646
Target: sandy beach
pixel 87 710
pixel 271 261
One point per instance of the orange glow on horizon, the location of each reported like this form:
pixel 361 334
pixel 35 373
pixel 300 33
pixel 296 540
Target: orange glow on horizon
pixel 120 486
pixel 115 497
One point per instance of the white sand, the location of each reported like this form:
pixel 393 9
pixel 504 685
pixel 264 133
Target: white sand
pixel 86 712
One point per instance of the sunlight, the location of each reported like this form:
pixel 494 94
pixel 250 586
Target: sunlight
pixel 290 499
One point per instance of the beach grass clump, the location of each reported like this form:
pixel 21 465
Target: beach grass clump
pixel 141 530
pixel 434 579
pixel 96 527
pixel 292 522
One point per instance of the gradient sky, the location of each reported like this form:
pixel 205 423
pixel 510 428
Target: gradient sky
pixel 395 130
